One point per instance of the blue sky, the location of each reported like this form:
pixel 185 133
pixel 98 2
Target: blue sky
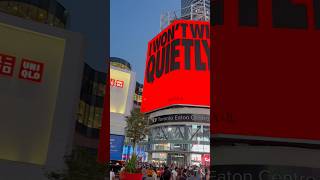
pixel 132 24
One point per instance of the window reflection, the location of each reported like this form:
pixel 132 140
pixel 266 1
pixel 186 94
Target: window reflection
pixel 32 12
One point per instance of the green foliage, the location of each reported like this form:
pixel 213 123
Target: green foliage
pixel 81 165
pixel 136 128
pixel 131 166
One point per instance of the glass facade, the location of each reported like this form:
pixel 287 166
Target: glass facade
pixel 91 106
pixel 137 97
pixel 43 11
pixel 120 63
pixel 177 135
pixel 91 102
pixel 179 142
pixel 195 10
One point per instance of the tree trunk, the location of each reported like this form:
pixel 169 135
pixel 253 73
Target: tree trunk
pixel 134 148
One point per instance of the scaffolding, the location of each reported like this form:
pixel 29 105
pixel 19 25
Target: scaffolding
pixel 198 11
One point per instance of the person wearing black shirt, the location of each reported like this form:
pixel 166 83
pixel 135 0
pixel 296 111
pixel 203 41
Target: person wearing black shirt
pixel 166 174
pixel 184 175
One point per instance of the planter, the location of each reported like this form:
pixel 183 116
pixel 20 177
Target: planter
pixel 130 176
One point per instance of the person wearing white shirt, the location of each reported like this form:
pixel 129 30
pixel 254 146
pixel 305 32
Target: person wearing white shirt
pixel 112 175
pixel 174 174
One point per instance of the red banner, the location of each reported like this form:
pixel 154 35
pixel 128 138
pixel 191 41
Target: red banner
pixel 104 136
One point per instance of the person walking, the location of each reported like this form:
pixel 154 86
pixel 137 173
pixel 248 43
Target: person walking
pixel 202 173
pixel 112 175
pixel 144 173
pixel 207 174
pixel 184 175
pixel 154 174
pixel 174 173
pixel 166 174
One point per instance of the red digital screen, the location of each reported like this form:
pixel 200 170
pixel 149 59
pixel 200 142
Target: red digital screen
pixel 266 69
pixel 178 67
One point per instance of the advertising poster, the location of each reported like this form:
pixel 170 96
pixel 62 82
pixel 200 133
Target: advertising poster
pixel 116 147
pixel 178 67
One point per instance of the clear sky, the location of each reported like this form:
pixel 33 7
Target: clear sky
pixel 132 24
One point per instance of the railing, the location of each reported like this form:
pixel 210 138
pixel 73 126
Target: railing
pixel 51 6
pixel 199 11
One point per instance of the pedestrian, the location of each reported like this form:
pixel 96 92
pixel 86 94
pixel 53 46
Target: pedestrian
pixel 207 174
pixel 154 174
pixel 166 174
pixel 112 175
pixel 174 173
pixel 184 175
pixel 144 173
pixel 122 169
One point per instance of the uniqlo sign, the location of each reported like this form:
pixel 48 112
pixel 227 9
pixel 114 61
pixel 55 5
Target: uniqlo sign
pixel 7 64
pixel 178 67
pixel 31 70
pixel 116 83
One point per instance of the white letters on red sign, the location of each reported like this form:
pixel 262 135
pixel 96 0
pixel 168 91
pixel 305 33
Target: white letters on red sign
pixel 7 64
pixel 31 70
pixel 116 83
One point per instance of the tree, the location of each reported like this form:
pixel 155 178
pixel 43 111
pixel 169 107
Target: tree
pixel 81 165
pixel 136 128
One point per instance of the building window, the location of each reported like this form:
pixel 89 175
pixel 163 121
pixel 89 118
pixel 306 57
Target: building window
pixel 101 90
pixel 91 117
pixel 97 118
pixel 81 112
pixel 86 114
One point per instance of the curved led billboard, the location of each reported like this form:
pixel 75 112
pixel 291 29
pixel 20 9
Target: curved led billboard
pixel 178 67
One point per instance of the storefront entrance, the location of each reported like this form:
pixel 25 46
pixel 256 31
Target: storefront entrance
pixel 178 159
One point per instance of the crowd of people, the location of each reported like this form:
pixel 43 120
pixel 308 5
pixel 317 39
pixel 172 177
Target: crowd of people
pixel 164 172
pixel 176 173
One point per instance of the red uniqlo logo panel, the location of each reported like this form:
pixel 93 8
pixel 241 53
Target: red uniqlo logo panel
pixel 31 70
pixel 112 82
pixel 119 83
pixel 7 64
pixel 116 83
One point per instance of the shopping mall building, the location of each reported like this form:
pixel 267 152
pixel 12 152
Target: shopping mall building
pixel 42 111
pixel 40 76
pixel 180 135
pixel 125 94
pixel 177 89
